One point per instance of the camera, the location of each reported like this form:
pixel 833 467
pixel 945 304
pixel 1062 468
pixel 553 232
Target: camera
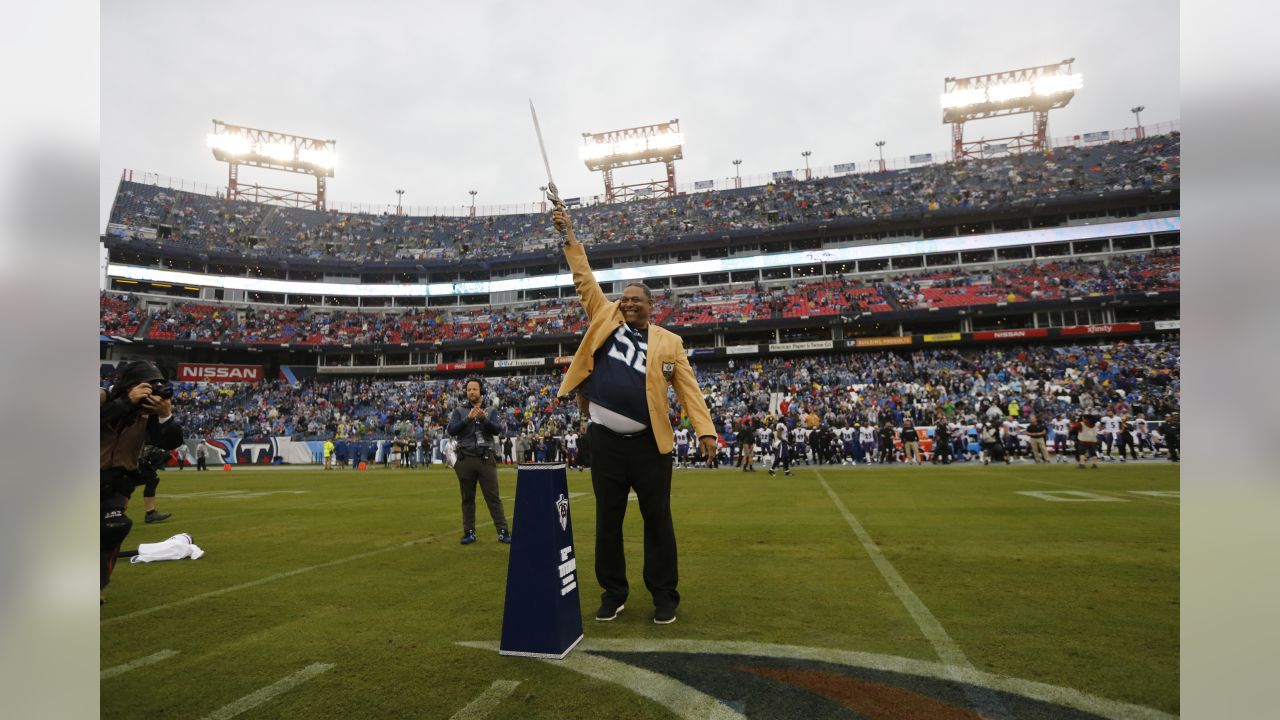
pixel 162 389
pixel 153 458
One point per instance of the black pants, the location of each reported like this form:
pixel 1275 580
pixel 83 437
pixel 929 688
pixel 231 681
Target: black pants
pixel 782 456
pixel 152 483
pixel 470 470
pixel 115 487
pixel 619 465
pixel 1126 443
pixel 200 463
pixel 941 450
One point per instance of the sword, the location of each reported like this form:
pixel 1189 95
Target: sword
pixel 552 194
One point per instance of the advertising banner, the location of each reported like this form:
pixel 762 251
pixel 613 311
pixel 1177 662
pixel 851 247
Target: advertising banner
pixel 201 372
pixel 1102 329
pixel 1011 334
pixel 942 337
pixel 520 362
pixel 741 349
pixel 473 365
pixel 881 341
pixel 810 345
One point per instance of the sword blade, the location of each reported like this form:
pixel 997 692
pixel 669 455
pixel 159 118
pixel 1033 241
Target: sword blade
pixel 541 145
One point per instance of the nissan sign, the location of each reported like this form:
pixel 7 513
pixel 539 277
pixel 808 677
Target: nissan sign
pixel 194 372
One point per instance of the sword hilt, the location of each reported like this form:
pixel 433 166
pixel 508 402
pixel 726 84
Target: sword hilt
pixel 554 196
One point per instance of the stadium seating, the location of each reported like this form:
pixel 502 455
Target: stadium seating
pixel 1128 378
pixel 211 224
pixel 1136 272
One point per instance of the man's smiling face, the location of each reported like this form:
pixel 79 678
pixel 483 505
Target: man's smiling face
pixel 635 305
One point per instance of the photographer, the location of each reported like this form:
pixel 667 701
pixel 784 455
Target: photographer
pixel 474 431
pixel 137 412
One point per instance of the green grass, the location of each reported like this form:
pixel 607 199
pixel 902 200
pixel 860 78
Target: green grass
pixel 1078 595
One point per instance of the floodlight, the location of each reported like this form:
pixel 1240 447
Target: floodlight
pixel 1008 91
pixel 1054 84
pixel 1035 90
pixel 960 98
pixel 319 158
pixel 229 143
pixel 240 146
pixel 276 151
pixel 631 146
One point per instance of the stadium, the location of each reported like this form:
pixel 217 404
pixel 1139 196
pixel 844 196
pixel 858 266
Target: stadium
pixel 908 350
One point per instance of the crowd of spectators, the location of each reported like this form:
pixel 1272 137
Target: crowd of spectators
pixel 203 322
pixel 856 388
pixel 205 223
pixel 118 314
pixel 1138 272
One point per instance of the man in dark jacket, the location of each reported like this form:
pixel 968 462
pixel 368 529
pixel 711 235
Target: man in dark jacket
pixel 138 411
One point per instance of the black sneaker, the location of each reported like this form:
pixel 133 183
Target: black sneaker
pixel 664 617
pixel 608 611
pixel 468 537
pixel 504 537
pixel 156 516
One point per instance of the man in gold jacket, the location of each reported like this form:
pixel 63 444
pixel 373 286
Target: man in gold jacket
pixel 621 371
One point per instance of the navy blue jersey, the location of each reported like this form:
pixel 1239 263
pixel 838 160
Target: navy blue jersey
pixel 618 381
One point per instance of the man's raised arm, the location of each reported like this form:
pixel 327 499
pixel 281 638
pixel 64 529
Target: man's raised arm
pixel 589 293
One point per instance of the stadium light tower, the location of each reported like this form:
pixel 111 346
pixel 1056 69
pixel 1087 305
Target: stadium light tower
pixel 607 151
pixel 1137 120
pixel 237 145
pixel 737 174
pixel 880 147
pixel 1035 90
pixel 543 190
pixel 399 204
pixel 473 202
pixel 807 174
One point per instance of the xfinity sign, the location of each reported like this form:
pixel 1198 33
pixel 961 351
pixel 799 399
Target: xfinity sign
pixel 193 372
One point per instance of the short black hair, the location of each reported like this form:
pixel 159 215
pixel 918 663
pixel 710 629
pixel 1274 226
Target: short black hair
pixel 647 292
pixel 476 380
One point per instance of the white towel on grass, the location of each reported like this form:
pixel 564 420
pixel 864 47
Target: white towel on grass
pixel 175 548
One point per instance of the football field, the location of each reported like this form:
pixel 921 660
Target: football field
pixel 1020 591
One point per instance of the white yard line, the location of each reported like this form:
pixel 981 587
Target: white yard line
pixel 254 699
pixel 272 578
pixel 140 662
pixel 948 651
pixel 487 701
pixel 1110 493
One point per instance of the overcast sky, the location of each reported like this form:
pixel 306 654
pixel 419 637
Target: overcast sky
pixel 433 97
